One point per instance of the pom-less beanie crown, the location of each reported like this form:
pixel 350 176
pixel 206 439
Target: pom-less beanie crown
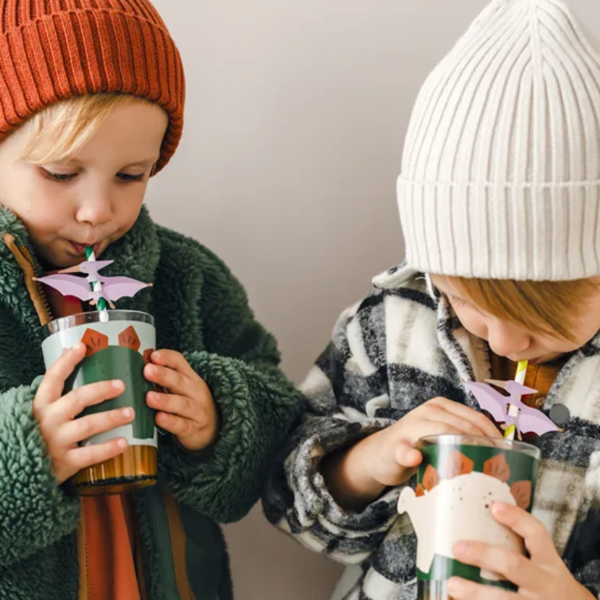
pixel 501 168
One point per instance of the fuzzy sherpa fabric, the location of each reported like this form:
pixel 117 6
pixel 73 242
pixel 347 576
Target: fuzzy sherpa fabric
pixel 200 310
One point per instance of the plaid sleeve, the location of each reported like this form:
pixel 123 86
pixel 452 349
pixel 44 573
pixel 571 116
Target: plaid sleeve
pixel 344 389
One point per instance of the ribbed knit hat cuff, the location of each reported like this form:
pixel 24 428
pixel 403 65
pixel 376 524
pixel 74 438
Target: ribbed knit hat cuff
pixel 519 232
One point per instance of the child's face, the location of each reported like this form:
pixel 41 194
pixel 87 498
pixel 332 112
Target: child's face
pixel 512 340
pixel 95 197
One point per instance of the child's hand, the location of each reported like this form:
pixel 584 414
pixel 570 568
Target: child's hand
pixel 544 576
pixel 62 432
pixel 188 410
pixel 388 458
pixel 390 455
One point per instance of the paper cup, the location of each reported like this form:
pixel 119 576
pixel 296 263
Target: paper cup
pixel 119 345
pixel 457 483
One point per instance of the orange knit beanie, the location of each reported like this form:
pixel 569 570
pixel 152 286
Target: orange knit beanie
pixel 52 50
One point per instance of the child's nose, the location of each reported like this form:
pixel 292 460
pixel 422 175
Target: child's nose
pixel 95 210
pixel 506 339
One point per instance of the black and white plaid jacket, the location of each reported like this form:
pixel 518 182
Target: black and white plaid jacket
pixel 398 348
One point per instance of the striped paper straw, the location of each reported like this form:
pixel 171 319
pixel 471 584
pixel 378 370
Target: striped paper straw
pixel 521 372
pixel 513 411
pixel 97 286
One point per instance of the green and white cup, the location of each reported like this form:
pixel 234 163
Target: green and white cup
pixel 457 483
pixel 119 345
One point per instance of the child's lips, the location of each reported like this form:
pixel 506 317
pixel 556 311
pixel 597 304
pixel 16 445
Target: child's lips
pixel 79 249
pixel 543 359
pixel 531 361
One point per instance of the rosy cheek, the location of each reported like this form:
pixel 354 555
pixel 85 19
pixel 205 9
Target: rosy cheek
pixel 473 324
pixel 127 216
pixel 133 216
pixel 553 346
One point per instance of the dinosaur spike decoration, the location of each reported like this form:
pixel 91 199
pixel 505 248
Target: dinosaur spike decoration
pixel 111 289
pixel 528 419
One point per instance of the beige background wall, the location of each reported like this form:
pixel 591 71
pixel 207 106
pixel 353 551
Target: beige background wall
pixel 295 120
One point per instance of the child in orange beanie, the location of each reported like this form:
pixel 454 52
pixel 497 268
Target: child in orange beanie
pixel 91 106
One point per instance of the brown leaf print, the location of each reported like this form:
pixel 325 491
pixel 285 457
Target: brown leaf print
pixel 458 464
pixel 431 478
pixel 94 341
pixel 521 491
pixel 419 491
pixel 129 339
pixel 497 467
pixel 147 354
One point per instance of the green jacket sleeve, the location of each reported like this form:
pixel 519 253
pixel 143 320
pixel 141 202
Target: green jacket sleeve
pixel 34 512
pixel 258 405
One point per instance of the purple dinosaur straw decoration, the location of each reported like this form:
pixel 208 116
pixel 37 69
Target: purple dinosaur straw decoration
pixel 90 268
pixel 113 288
pixel 528 420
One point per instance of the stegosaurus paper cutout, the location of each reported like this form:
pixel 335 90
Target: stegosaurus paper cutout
pixel 95 341
pixel 459 464
pixel 104 362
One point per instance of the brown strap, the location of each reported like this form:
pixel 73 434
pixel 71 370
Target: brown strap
pixel 41 309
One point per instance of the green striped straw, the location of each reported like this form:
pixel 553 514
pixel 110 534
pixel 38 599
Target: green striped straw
pixel 513 411
pixel 96 285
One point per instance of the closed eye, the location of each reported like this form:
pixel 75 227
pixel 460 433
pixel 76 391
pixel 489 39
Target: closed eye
pixel 58 177
pixel 67 177
pixel 128 178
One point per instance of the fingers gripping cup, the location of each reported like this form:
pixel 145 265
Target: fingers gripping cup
pixel 458 480
pixel 119 345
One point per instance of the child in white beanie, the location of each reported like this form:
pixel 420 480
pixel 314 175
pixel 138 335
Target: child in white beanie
pixel 500 205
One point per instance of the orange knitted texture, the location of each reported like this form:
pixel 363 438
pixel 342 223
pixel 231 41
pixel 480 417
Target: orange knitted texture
pixel 52 50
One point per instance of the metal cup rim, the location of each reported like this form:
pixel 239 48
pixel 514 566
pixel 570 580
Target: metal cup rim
pixel 92 318
pixel 453 439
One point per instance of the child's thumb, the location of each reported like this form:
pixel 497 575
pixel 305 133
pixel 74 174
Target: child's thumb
pixel 407 456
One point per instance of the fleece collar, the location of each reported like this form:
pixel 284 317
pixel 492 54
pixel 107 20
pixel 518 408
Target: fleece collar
pixel 135 255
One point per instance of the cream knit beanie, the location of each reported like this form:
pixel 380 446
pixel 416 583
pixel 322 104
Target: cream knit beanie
pixel 501 168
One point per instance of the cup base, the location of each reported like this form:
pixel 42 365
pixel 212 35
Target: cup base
pixel 114 487
pixel 133 470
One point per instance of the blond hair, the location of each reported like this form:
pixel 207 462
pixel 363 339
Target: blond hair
pixel 59 131
pixel 550 307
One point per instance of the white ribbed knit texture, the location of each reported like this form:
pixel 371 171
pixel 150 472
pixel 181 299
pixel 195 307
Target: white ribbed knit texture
pixel 501 168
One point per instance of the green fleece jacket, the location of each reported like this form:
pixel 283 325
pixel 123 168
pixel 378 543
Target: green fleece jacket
pixel 200 310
